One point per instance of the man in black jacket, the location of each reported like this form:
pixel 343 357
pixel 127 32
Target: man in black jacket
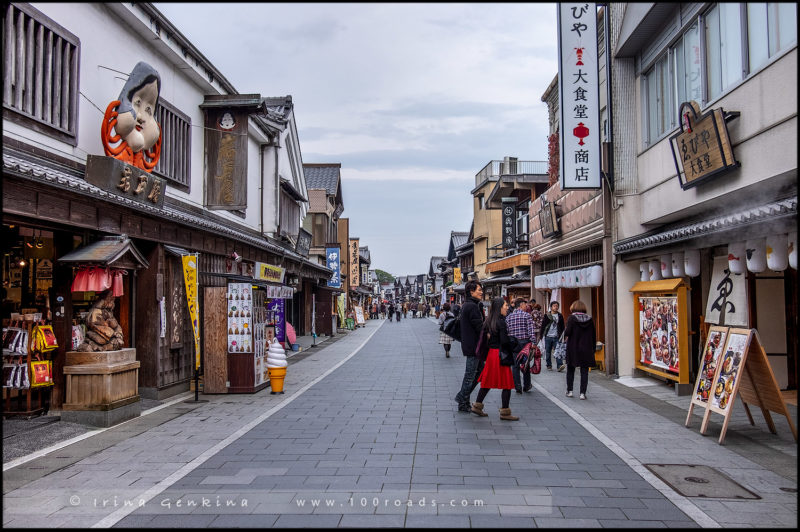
pixel 471 321
pixel 552 327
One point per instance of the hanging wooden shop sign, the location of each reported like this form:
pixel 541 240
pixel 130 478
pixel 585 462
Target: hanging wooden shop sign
pixel 125 180
pixel 226 158
pixel 702 148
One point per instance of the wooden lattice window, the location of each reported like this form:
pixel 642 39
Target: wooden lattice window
pixel 40 72
pixel 176 144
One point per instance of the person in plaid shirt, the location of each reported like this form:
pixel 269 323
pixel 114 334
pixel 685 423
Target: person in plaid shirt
pixel 520 326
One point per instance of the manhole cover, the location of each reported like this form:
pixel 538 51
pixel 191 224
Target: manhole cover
pixel 700 481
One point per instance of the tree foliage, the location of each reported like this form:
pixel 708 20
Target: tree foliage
pixel 384 277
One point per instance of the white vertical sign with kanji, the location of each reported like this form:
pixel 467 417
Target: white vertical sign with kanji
pixel 579 98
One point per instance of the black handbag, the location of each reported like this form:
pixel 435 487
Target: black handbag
pixel 452 328
pixel 506 358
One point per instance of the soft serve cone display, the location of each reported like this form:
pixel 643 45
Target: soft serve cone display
pixel 276 365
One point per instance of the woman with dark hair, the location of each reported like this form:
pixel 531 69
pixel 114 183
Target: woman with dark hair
pixel 494 335
pixel 445 339
pixel 580 336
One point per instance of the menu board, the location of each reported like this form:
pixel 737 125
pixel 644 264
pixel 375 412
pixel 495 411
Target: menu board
pixel 240 318
pixel 729 370
pixel 711 355
pixel 658 332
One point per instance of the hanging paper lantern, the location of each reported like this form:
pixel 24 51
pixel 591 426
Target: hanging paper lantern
pixel 655 270
pixel 544 281
pixel 736 257
pixel 677 264
pixel 596 275
pixel 575 278
pixel 666 266
pixel 777 252
pixel 644 271
pixel 583 274
pixel 569 279
pixel 756 255
pixel 552 279
pixel 691 262
pixel 792 248
pixel 562 279
pixel 537 282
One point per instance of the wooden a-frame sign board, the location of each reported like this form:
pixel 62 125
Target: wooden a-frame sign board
pixel 739 365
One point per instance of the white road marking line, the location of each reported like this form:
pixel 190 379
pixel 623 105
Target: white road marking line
pixel 699 517
pixel 121 513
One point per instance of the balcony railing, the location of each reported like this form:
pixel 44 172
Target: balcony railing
pixel 497 252
pixel 510 166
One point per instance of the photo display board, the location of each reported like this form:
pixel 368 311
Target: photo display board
pixel 712 350
pixel 240 318
pixel 658 332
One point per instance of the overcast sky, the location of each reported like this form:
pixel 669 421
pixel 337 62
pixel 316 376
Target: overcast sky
pixel 412 99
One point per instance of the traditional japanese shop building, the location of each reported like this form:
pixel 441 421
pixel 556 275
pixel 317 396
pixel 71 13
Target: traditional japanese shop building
pixel 61 196
pixel 705 159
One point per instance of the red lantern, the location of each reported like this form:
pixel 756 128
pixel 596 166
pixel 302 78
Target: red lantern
pixel 581 132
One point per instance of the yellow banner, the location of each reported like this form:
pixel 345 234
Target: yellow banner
pixel 456 275
pixel 190 277
pixel 268 272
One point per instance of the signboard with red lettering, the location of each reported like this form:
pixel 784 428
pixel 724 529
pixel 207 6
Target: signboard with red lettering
pixel 579 99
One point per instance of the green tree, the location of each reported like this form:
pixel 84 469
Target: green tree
pixel 384 277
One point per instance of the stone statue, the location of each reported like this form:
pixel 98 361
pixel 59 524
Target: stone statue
pixel 132 117
pixel 103 332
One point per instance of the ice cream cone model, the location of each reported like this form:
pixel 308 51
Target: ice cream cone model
pixel 276 365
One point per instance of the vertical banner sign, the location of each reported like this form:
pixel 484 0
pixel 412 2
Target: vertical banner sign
pixel 579 101
pixel 226 159
pixel 456 275
pixel 509 223
pixel 727 296
pixel 332 258
pixel 278 309
pixel 354 277
pixel 190 278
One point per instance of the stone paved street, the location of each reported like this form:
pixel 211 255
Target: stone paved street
pixel 378 442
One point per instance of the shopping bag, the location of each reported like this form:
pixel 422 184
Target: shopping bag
pixel 560 351
pixel 41 373
pixel 536 364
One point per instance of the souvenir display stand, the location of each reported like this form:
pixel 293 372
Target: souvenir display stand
pixel 17 374
pixel 661 326
pixel 735 364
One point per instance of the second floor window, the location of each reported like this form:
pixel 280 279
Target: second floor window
pixel 176 144
pixel 40 72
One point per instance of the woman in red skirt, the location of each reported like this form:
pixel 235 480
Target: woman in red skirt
pixel 494 337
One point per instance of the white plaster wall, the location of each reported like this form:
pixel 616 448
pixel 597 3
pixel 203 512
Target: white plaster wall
pixel 627 343
pixel 109 41
pixel 764 141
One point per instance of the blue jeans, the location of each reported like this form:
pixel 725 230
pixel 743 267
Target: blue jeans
pixel 472 371
pixel 549 345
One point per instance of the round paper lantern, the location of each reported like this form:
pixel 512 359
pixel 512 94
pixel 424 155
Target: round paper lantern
pixel 756 255
pixel 777 252
pixel 537 284
pixel 576 278
pixel 552 279
pixel 677 264
pixel 596 275
pixel 655 270
pixel 736 257
pixel 562 279
pixel 644 271
pixel 583 274
pixel 544 281
pixel 569 279
pixel 792 248
pixel 691 262
pixel 666 266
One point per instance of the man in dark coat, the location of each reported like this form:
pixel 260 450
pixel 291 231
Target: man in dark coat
pixel 552 327
pixel 471 321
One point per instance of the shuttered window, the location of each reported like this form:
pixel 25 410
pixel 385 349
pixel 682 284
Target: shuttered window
pixel 40 72
pixel 176 142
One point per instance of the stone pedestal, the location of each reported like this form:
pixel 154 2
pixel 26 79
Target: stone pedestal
pixel 102 387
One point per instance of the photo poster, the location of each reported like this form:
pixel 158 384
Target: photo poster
pixel 240 318
pixel 658 332
pixel 359 315
pixel 729 370
pixel 715 344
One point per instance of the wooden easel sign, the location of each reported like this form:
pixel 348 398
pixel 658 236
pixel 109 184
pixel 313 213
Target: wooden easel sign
pixel 742 369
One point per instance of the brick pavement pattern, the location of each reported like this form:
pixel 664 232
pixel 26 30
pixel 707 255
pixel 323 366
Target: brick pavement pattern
pixel 379 443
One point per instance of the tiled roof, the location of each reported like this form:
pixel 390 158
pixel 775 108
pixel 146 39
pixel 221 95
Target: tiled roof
pixel 61 179
pixel 278 107
pixel 681 232
pixel 459 239
pixel 325 177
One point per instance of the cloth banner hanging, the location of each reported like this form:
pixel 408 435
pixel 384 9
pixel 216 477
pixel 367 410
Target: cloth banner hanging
pixel 727 296
pixel 190 278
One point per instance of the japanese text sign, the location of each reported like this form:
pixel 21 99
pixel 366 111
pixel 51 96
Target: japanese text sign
pixel 702 148
pixel 190 278
pixel 727 296
pixel 579 100
pixel 332 259
pixel 354 266
pixel 267 272
pixel 128 181
pixel 509 223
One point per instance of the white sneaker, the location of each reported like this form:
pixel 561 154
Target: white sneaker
pixel 583 396
pixel 569 394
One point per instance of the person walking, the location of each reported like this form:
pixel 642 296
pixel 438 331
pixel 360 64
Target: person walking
pixel 383 311
pixel 521 329
pixel 581 339
pixel 405 310
pixel 552 327
pixel 399 311
pixel 445 339
pixel 537 316
pixel 471 321
pixel 494 375
pixel 391 311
